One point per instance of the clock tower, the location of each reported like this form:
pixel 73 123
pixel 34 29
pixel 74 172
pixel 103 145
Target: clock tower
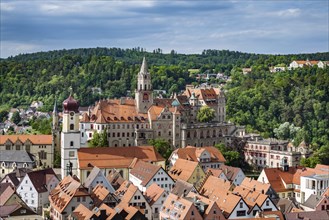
pixel 70 137
pixel 144 91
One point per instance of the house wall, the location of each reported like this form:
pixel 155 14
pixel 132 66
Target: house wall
pixel 162 179
pixel 137 200
pixel 239 178
pixel 28 193
pixel 156 207
pixel 240 208
pixel 323 204
pixel 196 176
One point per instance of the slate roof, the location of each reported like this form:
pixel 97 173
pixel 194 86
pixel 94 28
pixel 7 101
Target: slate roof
pixel 312 201
pixel 6 194
pixel 93 174
pixel 40 179
pixel 182 188
pixel 18 156
pixel 18 173
pixel 230 172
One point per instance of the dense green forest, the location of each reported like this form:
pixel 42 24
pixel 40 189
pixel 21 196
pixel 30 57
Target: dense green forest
pixel 261 100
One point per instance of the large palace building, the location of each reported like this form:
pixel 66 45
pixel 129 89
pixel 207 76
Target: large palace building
pixel 133 122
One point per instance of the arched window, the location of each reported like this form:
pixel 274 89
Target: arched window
pixel 188 134
pixel 71 144
pixel 71 126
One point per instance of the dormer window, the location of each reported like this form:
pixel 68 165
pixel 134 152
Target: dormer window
pixel 14 165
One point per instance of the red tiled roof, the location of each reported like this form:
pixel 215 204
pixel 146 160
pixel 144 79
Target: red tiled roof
pixel 35 139
pixel 116 157
pixel 144 171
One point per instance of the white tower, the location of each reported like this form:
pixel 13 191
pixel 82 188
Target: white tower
pixel 144 92
pixel 70 137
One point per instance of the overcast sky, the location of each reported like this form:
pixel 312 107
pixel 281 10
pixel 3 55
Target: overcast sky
pixel 258 26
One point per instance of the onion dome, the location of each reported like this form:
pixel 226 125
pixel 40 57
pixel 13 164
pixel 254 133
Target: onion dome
pixel 71 105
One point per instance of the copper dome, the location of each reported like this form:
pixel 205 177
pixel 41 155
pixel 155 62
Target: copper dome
pixel 71 105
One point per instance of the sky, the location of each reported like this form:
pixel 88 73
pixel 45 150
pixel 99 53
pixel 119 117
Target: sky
pixel 254 26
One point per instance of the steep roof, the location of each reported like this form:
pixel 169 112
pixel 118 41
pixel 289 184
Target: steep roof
pixel 210 188
pixel 193 153
pixel 65 191
pixel 40 178
pixel 312 201
pixel 251 197
pixel 252 185
pixel 229 171
pixel 16 175
pixel 312 215
pixel 182 188
pixel 182 169
pixel 93 174
pixel 153 193
pixel 6 194
pixel 36 139
pixel 116 157
pixel 116 110
pixel 144 171
pixel 99 194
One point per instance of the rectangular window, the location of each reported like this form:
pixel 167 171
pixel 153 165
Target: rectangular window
pixel 71 153
pixel 8 147
pixel 241 213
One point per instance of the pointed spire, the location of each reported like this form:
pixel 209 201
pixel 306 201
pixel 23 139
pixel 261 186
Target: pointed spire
pixel 144 66
pixel 55 111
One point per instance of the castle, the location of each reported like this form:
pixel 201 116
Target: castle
pixel 134 122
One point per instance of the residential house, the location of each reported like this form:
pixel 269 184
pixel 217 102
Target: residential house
pixel 83 213
pixel 182 188
pixel 96 177
pixel 234 174
pixel 11 160
pixel 310 215
pixel 130 195
pixel 188 171
pixel 208 157
pixel 66 196
pixel 144 174
pixel 261 187
pixel 176 207
pixel 155 196
pixel 17 210
pixel 210 187
pixel 35 187
pixel 256 201
pixel 115 179
pixel 297 182
pixel 101 195
pixel 8 195
pixel 287 205
pixel 119 158
pixel 38 145
pixel 273 153
pixel 323 64
pixel 302 63
pixel 15 177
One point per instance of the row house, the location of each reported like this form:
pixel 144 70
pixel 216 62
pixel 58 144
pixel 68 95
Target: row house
pixel 297 182
pixel 95 178
pixel 317 202
pixel 308 63
pixel 14 178
pixel 155 196
pixel 207 157
pixel 41 146
pixel 130 195
pixel 35 187
pixel 270 152
pixel 144 174
pixel 66 196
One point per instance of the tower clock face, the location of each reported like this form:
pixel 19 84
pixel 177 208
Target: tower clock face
pixel 145 96
pixel 71 113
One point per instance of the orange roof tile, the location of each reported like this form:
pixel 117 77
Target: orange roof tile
pixel 115 110
pixel 99 194
pixel 35 139
pixel 193 153
pixel 116 157
pixel 210 187
pixel 183 169
pixel 153 193
pixel 251 184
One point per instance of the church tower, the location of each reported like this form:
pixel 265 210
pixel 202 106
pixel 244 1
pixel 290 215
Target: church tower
pixel 144 92
pixel 70 137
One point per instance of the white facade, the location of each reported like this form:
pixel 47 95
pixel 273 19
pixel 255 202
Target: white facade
pixel 101 179
pixel 70 142
pixel 161 178
pixel 240 211
pixel 156 206
pixel 139 200
pixel 30 195
pixel 314 184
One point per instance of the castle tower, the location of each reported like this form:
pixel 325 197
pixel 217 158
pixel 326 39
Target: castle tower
pixel 70 137
pixel 144 92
